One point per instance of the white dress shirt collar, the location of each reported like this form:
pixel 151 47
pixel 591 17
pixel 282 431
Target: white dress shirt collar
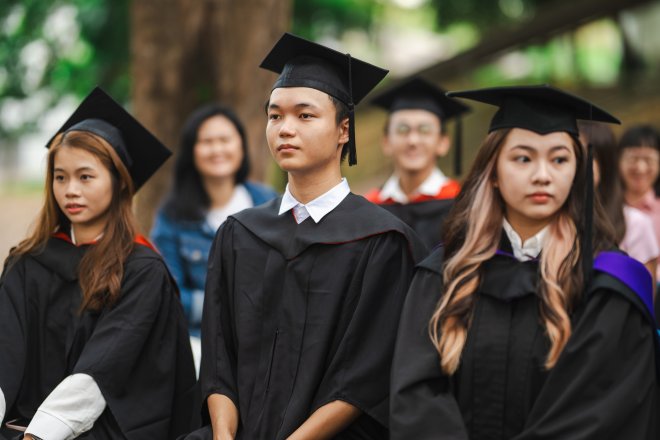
pixel 317 208
pixel 528 250
pixel 73 237
pixel 430 187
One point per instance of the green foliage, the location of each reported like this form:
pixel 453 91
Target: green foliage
pixel 318 18
pixel 486 14
pixel 61 47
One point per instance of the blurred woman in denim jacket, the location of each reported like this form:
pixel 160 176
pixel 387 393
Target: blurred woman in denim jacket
pixel 209 185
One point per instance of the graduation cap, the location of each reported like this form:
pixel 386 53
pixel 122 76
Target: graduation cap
pixel 545 109
pixel 418 93
pixel 302 63
pixel 138 149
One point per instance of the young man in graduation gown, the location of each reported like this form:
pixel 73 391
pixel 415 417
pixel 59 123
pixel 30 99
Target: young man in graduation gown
pixel 415 137
pixel 304 293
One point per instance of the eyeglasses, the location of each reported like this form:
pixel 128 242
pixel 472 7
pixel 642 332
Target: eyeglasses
pixel 422 129
pixel 649 159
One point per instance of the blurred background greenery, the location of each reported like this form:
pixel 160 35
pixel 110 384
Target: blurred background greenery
pixel 163 58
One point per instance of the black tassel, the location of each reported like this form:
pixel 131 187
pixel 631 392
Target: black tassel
pixel 458 146
pixel 352 149
pixel 587 240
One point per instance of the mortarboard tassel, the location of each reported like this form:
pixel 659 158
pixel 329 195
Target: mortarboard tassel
pixel 458 146
pixel 587 242
pixel 352 151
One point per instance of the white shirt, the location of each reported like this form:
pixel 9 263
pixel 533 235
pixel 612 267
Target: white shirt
pixel 528 250
pixel 73 236
pixel 317 208
pixel 69 410
pixel 429 187
pixel 639 240
pixel 3 405
pixel 239 201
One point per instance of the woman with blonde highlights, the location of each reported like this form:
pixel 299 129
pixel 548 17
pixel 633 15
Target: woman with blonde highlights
pixel 92 333
pixel 526 323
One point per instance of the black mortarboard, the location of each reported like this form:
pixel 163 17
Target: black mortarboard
pixel 138 149
pixel 418 93
pixel 302 63
pixel 545 109
pixel 542 109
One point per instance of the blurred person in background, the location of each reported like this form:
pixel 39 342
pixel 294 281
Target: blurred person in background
pixel 633 228
pixel 639 163
pixel 210 183
pixel 415 137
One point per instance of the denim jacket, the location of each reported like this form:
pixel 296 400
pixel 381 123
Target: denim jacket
pixel 185 246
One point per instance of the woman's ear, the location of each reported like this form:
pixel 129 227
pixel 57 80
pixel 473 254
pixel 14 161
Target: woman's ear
pixel 494 181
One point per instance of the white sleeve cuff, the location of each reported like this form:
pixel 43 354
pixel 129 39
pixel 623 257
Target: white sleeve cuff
pixel 3 405
pixel 196 306
pixel 49 427
pixel 75 404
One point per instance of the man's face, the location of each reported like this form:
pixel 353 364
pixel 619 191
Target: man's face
pixel 302 130
pixel 414 140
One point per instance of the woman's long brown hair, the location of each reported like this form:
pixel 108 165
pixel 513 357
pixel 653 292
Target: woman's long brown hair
pixel 472 234
pixel 102 267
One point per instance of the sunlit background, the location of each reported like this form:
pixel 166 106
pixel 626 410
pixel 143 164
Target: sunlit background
pixel 53 52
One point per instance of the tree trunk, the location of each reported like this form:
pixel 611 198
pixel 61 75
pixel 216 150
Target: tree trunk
pixel 185 53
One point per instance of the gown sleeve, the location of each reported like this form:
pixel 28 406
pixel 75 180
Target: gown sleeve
pixel 359 373
pixel 604 384
pixel 139 353
pixel 422 405
pixel 218 366
pixel 13 335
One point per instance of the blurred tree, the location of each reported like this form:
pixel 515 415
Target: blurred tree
pixel 184 53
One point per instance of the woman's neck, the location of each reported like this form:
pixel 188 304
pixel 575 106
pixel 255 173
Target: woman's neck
pixel 633 198
pixel 220 190
pixel 526 228
pixel 81 234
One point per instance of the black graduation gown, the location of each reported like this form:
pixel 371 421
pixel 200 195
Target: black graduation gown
pixel 138 351
pixel 604 384
pixel 297 316
pixel 425 217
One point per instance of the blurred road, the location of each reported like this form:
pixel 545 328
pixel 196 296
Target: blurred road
pixel 17 212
